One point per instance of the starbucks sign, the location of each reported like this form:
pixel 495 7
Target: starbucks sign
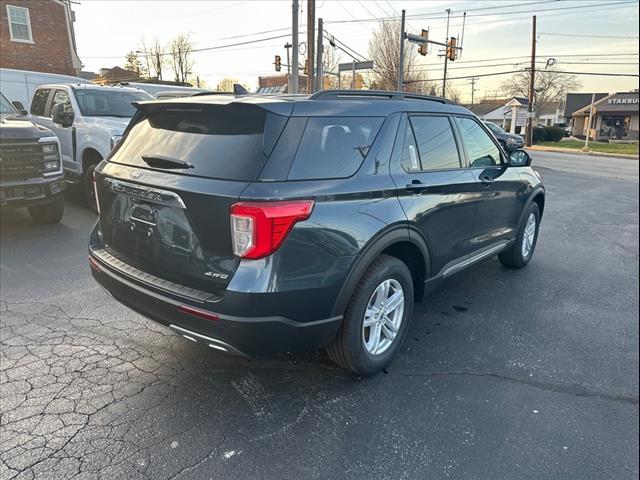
pixel 623 101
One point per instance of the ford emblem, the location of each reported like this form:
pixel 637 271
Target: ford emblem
pixel 136 174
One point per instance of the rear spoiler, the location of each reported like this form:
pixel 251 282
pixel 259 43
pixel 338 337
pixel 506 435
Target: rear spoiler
pixel 278 107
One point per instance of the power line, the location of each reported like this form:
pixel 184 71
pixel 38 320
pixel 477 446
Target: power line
pixel 584 36
pixel 465 77
pixel 433 16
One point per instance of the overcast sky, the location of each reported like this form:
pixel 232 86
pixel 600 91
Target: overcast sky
pixel 107 30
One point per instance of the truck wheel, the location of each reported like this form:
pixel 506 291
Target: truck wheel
pixel 48 213
pixel 376 319
pixel 87 187
pixel 522 249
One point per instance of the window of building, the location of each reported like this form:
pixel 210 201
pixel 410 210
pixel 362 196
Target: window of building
pixel 481 149
pixel 19 24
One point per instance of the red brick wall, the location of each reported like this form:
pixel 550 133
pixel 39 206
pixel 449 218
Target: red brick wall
pixel 50 52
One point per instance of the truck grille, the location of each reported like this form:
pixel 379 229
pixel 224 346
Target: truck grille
pixel 21 160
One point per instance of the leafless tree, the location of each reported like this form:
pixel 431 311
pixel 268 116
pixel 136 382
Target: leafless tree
pixel 180 52
pixel 156 56
pixel 550 86
pixel 384 50
pixel 453 93
pixel 330 60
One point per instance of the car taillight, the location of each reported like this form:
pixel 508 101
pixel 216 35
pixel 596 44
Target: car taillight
pixel 259 228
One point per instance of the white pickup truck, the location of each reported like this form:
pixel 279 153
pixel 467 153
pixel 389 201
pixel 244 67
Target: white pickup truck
pixel 88 120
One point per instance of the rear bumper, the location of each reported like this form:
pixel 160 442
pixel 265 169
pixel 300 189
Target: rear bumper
pixel 31 192
pixel 233 333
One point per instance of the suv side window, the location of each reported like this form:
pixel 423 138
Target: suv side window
pixel 436 142
pixel 39 102
pixel 62 97
pixel 481 149
pixel 334 147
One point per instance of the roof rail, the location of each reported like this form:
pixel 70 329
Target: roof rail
pixel 350 94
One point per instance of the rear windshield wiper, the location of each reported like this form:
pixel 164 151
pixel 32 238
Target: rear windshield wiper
pixel 162 161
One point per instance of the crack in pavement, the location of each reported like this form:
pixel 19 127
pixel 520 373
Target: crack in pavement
pixel 576 390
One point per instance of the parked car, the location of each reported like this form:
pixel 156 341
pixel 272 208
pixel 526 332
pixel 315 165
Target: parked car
pixel 30 167
pixel 20 85
pixel 509 141
pixel 269 224
pixel 88 120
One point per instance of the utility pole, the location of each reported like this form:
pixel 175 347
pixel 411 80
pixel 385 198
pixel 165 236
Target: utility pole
pixel 287 46
pixel 586 141
pixel 311 22
pixel 446 58
pixel 294 46
pixel 473 88
pixel 401 64
pixel 320 48
pixel 529 133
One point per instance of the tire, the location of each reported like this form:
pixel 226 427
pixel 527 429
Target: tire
pixel 349 349
pixel 87 187
pixel 517 256
pixel 49 213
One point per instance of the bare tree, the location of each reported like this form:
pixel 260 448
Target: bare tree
pixel 330 60
pixel 453 93
pixel 156 56
pixel 180 52
pixel 550 86
pixel 384 50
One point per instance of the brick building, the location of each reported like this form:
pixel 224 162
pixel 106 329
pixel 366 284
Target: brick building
pixel 38 35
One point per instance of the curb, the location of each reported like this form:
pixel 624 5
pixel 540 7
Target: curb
pixel 578 152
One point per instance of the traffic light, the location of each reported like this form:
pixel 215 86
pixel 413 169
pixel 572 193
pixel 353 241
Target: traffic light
pixel 452 51
pixel 278 63
pixel 422 48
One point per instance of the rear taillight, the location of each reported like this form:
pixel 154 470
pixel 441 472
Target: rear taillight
pixel 259 228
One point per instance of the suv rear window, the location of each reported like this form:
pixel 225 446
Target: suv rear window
pixel 334 147
pixel 230 142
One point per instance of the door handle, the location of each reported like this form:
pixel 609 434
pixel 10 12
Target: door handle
pixel 416 186
pixel 486 180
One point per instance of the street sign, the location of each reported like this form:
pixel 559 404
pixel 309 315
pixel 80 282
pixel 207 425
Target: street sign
pixel 347 67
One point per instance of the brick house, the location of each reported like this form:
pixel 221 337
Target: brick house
pixel 38 35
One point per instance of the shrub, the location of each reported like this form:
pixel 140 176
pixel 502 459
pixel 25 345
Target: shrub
pixel 554 134
pixel 547 134
pixel 539 134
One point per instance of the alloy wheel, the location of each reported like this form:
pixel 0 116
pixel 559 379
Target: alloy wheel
pixel 383 317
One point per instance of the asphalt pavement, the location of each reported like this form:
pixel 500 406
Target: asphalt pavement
pixel 527 374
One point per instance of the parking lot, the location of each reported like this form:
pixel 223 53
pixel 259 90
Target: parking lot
pixel 505 374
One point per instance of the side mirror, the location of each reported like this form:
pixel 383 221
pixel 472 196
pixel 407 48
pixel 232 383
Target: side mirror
pixel 60 116
pixel 519 158
pixel 20 107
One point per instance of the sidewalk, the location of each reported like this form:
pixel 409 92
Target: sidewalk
pixel 580 152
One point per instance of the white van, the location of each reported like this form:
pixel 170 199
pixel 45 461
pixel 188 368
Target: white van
pixel 20 85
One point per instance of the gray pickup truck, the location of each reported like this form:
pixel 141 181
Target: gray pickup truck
pixel 30 166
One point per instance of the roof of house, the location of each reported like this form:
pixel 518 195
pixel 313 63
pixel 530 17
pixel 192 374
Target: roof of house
pixel 577 101
pixel 621 102
pixel 486 106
